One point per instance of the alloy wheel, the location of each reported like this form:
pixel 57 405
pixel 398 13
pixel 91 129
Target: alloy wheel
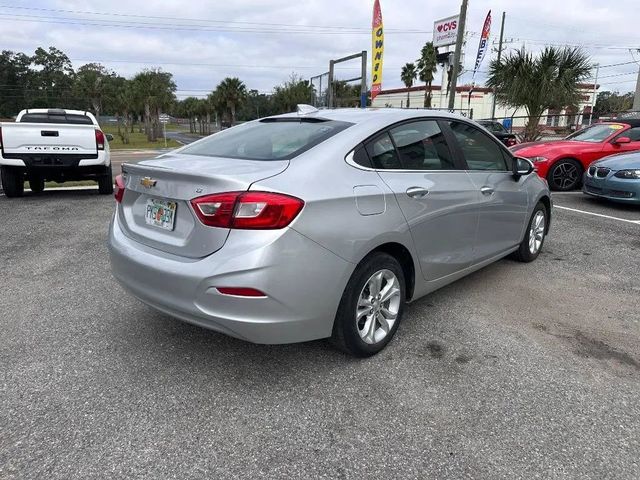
pixel 565 175
pixel 378 306
pixel 536 232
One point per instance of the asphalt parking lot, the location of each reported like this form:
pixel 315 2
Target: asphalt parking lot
pixel 518 371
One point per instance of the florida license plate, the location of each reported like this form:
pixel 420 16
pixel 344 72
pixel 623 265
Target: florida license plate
pixel 160 213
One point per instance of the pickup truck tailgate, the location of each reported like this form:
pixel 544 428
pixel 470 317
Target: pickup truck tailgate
pixel 22 139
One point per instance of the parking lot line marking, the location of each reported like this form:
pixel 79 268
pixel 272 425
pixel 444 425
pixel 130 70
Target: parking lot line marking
pixel 567 193
pixel 635 222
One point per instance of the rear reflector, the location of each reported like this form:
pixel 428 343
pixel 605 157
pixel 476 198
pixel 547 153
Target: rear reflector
pixel 240 291
pixel 247 210
pixel 118 191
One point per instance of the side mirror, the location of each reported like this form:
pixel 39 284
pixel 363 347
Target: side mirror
pixel 522 167
pixel 621 140
pixel 109 137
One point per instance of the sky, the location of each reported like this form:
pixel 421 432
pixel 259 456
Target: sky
pixel 264 41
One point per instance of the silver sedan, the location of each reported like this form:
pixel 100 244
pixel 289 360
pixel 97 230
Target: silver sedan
pixel 322 224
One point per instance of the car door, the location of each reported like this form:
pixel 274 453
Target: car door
pixel 435 195
pixel 632 134
pixel 501 199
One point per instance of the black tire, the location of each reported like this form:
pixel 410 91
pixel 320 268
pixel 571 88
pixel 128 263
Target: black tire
pixel 36 184
pixel 346 327
pixel 565 175
pixel 105 183
pixel 12 181
pixel 524 253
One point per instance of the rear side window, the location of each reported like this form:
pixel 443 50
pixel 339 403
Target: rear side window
pixel 422 146
pixel 268 139
pixel 73 119
pixel 383 154
pixel 480 151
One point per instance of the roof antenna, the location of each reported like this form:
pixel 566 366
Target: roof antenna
pixel 304 109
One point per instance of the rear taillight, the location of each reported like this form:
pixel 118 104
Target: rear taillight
pixel 100 139
pixel 247 210
pixel 511 142
pixel 118 191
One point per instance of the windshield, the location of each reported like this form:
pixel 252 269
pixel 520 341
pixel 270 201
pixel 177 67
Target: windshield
pixel 268 139
pixel 493 127
pixel 595 133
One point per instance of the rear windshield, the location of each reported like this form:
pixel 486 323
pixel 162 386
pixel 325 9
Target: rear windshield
pixel 493 127
pixel 596 133
pixel 268 139
pixel 56 118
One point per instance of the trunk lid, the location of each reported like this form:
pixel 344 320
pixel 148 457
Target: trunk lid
pixel 48 138
pixel 177 179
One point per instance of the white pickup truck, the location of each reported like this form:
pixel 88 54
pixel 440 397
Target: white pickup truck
pixel 53 145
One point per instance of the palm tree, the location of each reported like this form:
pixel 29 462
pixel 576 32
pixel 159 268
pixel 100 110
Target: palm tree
pixel 427 68
pixel 234 93
pixel 408 75
pixel 550 80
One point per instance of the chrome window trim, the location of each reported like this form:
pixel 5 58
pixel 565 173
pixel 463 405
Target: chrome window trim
pixel 349 159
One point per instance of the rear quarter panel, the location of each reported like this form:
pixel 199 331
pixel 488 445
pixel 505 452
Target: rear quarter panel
pixel 323 179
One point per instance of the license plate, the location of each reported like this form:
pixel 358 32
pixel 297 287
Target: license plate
pixel 160 213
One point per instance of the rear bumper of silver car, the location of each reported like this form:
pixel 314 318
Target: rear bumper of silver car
pixel 302 281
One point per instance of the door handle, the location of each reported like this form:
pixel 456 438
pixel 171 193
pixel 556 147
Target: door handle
pixel 487 190
pixel 417 192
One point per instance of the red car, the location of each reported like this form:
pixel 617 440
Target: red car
pixel 563 162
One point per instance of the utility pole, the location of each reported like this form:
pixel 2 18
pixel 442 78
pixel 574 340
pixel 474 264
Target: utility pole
pixel 593 98
pixel 457 53
pixel 493 99
pixel 636 98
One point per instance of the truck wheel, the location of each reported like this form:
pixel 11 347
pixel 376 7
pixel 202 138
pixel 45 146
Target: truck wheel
pixel 12 181
pixel 105 183
pixel 36 184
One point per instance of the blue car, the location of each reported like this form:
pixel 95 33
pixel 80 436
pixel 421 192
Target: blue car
pixel 616 178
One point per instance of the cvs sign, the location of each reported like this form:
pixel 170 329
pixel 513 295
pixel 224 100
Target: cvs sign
pixel 445 31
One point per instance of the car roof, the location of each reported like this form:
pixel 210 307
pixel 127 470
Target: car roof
pixel 382 116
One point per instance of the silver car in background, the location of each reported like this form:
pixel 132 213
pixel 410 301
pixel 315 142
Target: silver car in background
pixel 322 223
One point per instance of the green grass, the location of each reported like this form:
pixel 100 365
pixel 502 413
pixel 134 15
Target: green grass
pixel 136 140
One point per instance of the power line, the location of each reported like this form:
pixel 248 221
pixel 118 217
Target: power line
pixel 616 64
pixel 615 75
pixel 197 28
pixel 224 22
pixel 567 44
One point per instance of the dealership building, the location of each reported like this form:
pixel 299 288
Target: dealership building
pixel 479 106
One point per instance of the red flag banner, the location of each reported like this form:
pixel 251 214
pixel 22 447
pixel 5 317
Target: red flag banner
pixel 484 43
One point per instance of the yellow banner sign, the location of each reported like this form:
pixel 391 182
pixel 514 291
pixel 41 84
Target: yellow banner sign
pixel 377 50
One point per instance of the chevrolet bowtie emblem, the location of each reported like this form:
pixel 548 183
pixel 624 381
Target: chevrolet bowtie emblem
pixel 148 182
